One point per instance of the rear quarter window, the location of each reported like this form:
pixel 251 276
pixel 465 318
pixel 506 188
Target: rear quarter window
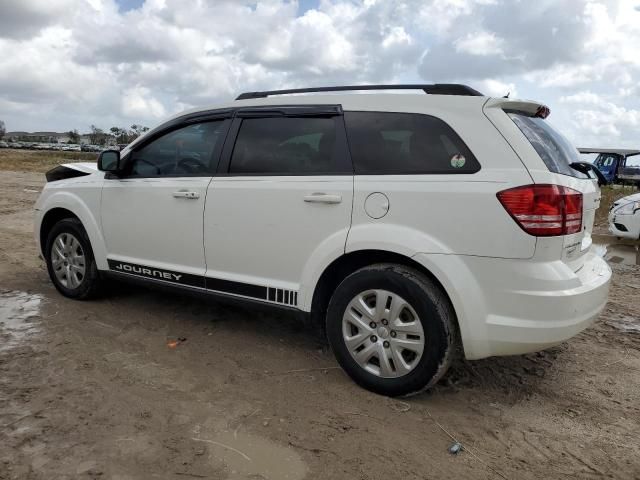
pixel 406 143
pixel 554 149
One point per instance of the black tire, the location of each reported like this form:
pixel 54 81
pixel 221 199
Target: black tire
pixel 90 284
pixel 434 312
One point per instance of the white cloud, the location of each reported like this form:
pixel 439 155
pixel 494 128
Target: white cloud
pixel 603 121
pixel 480 43
pixel 137 102
pixel 71 63
pixel 496 88
pixel 583 98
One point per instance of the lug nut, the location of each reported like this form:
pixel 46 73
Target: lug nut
pixel 385 322
pixel 386 344
pixel 372 324
pixel 393 333
pixel 373 338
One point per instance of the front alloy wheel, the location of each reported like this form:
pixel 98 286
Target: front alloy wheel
pixel 68 260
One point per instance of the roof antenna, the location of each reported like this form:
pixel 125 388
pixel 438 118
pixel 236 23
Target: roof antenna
pixel 507 95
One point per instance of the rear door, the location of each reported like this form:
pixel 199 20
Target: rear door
pixel 283 193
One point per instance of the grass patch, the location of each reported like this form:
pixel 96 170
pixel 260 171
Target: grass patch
pixel 40 160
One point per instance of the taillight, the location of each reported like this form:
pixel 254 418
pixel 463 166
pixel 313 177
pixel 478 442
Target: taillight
pixel 544 210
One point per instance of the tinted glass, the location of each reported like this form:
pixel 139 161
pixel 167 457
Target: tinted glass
pixel 405 143
pixel 188 151
pixel 554 149
pixel 285 146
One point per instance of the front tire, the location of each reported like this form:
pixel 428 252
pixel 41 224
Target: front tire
pixel 391 329
pixel 70 262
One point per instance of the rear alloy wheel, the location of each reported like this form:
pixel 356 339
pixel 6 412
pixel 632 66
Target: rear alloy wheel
pixel 391 329
pixel 383 333
pixel 70 260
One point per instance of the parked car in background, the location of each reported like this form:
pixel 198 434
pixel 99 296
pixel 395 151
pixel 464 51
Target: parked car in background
pixel 85 147
pixel 412 226
pixel 624 217
pixel 617 164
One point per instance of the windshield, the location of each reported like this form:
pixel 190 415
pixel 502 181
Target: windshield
pixel 554 149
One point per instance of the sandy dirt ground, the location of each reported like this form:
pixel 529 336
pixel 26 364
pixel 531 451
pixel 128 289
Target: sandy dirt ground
pixel 92 390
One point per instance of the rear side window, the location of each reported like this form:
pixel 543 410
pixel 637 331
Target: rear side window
pixel 554 149
pixel 285 146
pixel 405 143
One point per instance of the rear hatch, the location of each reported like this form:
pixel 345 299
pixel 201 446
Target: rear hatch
pixel 557 154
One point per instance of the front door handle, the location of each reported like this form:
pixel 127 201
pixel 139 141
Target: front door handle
pixel 186 194
pixel 319 197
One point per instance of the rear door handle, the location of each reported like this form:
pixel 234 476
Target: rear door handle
pixel 319 197
pixel 186 194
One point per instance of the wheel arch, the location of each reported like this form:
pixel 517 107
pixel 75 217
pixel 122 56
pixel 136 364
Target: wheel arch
pixel 348 263
pixel 49 219
pixel 68 205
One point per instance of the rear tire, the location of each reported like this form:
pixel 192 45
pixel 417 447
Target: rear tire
pixel 391 329
pixel 70 261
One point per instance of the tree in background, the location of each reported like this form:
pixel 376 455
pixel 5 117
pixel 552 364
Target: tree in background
pixel 136 131
pixel 124 136
pixel 120 134
pixel 3 129
pixel 74 136
pixel 97 136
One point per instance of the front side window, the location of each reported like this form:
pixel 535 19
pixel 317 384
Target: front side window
pixel 285 146
pixel 406 143
pixel 187 151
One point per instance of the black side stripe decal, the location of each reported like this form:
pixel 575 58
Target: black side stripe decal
pixel 238 288
pixel 157 273
pixel 269 294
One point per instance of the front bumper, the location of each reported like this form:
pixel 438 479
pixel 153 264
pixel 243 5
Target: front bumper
pixel 630 224
pixel 509 307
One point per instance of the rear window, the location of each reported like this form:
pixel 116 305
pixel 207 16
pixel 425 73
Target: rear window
pixel 285 146
pixel 405 143
pixel 554 149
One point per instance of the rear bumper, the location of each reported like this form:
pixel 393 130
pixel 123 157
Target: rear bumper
pixel 509 307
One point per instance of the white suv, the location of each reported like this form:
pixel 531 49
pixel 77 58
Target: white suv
pixel 408 224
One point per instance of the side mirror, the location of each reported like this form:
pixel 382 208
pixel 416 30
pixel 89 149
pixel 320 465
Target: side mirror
pixel 109 161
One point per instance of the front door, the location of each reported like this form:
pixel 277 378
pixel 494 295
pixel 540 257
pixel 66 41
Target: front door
pixel 152 216
pixel 283 193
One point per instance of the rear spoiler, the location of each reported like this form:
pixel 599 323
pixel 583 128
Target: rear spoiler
pixel 528 107
pixel 625 152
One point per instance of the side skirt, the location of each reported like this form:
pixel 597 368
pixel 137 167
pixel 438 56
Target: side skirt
pixel 201 292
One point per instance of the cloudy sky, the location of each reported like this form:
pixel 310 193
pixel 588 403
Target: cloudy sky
pixel 70 63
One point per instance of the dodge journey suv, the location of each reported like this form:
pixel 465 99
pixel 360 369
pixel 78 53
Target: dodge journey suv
pixel 413 226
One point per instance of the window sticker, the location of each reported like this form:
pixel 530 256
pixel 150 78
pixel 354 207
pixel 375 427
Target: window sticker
pixel 458 161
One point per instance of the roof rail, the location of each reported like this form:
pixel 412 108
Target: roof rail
pixel 433 89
